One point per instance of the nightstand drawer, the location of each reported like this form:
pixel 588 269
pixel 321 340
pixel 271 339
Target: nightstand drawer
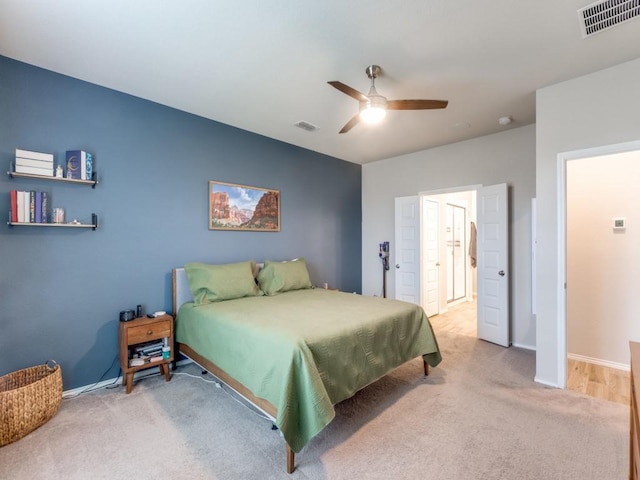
pixel 145 333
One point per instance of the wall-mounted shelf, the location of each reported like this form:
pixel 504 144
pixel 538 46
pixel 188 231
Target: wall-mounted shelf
pixel 93 225
pixel 93 182
pixel 30 176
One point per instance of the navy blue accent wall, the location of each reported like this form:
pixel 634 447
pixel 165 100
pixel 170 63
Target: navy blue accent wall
pixel 61 289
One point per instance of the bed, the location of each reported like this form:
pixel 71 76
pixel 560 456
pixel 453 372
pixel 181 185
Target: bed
pixel 296 351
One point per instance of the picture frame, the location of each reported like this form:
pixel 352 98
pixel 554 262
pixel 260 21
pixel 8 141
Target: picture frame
pixel 233 206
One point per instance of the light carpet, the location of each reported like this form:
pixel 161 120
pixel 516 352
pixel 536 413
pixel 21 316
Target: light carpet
pixel 478 415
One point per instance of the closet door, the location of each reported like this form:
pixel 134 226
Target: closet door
pixel 493 265
pixel 407 249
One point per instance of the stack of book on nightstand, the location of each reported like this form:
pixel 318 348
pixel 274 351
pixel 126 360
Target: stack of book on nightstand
pixel 147 353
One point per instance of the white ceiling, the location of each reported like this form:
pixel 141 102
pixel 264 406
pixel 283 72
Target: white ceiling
pixel 263 65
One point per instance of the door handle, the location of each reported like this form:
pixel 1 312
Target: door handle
pixel 397 265
pixel 501 273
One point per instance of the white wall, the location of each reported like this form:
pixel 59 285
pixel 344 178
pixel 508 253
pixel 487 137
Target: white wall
pixel 602 108
pixel 602 263
pixel 507 157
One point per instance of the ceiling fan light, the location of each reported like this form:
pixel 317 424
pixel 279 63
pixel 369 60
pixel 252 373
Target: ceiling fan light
pixel 374 110
pixel 372 114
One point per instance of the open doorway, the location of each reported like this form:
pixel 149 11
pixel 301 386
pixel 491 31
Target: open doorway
pixel 492 209
pixel 601 258
pixel 612 310
pixel 449 260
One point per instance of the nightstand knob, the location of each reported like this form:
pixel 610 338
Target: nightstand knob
pixel 149 332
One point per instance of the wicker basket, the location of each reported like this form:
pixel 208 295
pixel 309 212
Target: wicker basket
pixel 28 399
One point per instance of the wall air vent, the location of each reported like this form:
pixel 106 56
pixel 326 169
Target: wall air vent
pixel 606 14
pixel 310 127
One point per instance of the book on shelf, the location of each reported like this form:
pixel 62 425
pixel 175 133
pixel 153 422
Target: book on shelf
pixel 29 206
pixel 32 206
pixel 14 205
pixel 45 207
pixel 38 218
pixel 25 206
pixel 79 165
pixel 46 172
pixel 34 163
pixel 88 166
pixel 20 206
pixel 34 155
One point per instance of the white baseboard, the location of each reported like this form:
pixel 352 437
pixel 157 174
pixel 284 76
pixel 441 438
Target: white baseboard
pixel 113 381
pixel 544 382
pixel 597 361
pixel 77 391
pixel 524 347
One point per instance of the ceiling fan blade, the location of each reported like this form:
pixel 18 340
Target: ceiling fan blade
pixel 416 104
pixel 350 124
pixel 352 92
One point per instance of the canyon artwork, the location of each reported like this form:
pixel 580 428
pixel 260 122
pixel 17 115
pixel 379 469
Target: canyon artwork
pixel 241 207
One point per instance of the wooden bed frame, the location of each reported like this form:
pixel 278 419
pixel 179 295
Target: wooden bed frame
pixel 180 296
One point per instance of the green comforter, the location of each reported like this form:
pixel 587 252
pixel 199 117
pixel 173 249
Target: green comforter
pixel 306 350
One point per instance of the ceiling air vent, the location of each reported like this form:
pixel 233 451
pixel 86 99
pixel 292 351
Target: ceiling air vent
pixel 606 14
pixel 310 127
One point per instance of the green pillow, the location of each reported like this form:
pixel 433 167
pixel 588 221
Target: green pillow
pixel 280 277
pixel 215 283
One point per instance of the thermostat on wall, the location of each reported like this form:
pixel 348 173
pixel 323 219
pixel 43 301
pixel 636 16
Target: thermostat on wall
pixel 618 223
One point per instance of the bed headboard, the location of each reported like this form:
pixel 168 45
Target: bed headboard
pixel 181 292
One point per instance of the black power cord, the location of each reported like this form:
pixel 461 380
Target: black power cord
pixel 91 388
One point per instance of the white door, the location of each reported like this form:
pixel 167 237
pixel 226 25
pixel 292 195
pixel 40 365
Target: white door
pixel 431 296
pixel 493 265
pixel 407 249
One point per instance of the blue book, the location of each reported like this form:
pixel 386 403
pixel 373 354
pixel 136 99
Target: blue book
pixel 45 207
pixel 32 207
pixel 88 162
pixel 74 164
pixel 38 207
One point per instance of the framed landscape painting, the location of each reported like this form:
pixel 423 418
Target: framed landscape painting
pixel 242 207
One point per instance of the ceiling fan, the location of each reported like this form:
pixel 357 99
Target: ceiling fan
pixel 373 107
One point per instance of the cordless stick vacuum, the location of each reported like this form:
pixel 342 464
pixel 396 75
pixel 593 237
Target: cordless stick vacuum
pixel 384 256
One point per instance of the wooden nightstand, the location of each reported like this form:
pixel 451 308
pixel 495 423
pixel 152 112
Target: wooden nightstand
pixel 139 331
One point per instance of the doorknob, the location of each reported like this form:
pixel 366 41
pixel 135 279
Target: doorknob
pixel 397 265
pixel 501 273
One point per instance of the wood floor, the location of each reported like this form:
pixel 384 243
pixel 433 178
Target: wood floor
pixel 594 380
pixel 598 381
